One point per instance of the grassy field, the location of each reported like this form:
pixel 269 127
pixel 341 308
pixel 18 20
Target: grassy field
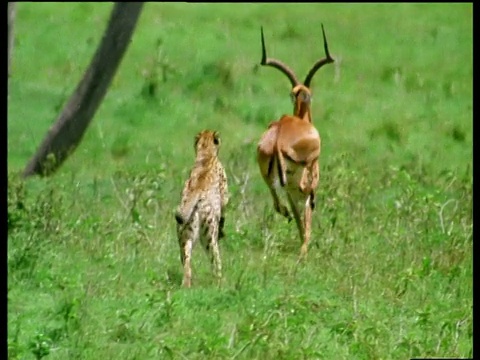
pixel 93 261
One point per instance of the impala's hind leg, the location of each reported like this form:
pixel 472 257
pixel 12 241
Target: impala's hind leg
pixel 309 181
pixel 295 206
pixel 278 205
pixel 268 165
pixel 281 168
pixel 302 211
pixel 307 225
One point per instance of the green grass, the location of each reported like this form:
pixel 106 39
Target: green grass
pixel 93 261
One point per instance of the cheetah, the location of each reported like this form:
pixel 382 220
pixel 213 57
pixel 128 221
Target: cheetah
pixel 201 214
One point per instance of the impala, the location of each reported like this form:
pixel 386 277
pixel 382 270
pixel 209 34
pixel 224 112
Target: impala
pixel 288 150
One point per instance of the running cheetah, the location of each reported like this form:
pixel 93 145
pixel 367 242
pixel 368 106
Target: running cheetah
pixel 202 208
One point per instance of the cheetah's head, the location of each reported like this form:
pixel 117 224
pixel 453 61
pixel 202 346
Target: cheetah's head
pixel 207 141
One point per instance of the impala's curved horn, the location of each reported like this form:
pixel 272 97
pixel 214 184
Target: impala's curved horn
pixel 277 64
pixel 326 60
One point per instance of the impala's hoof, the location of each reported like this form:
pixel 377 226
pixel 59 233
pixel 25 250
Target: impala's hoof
pixel 283 210
pixel 287 215
pixel 303 253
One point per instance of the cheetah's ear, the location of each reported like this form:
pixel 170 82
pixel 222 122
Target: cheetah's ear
pixel 216 138
pixel 197 137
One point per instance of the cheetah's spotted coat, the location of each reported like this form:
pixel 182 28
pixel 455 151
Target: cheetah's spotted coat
pixel 201 211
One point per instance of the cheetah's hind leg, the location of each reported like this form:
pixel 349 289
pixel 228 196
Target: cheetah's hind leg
pixel 186 241
pixel 210 243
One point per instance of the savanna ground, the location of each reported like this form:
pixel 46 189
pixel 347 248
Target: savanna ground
pixel 93 261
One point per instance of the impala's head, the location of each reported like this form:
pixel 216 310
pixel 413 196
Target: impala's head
pixel 208 142
pixel 301 93
pixel 301 97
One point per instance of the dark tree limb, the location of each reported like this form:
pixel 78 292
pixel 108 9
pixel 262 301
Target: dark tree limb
pixel 67 132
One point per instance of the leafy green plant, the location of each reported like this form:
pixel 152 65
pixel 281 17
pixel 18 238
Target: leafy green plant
pixel 40 346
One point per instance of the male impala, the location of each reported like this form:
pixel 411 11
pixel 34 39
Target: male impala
pixel 288 151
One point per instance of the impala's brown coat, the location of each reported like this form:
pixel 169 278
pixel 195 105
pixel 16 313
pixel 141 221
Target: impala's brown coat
pixel 288 151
